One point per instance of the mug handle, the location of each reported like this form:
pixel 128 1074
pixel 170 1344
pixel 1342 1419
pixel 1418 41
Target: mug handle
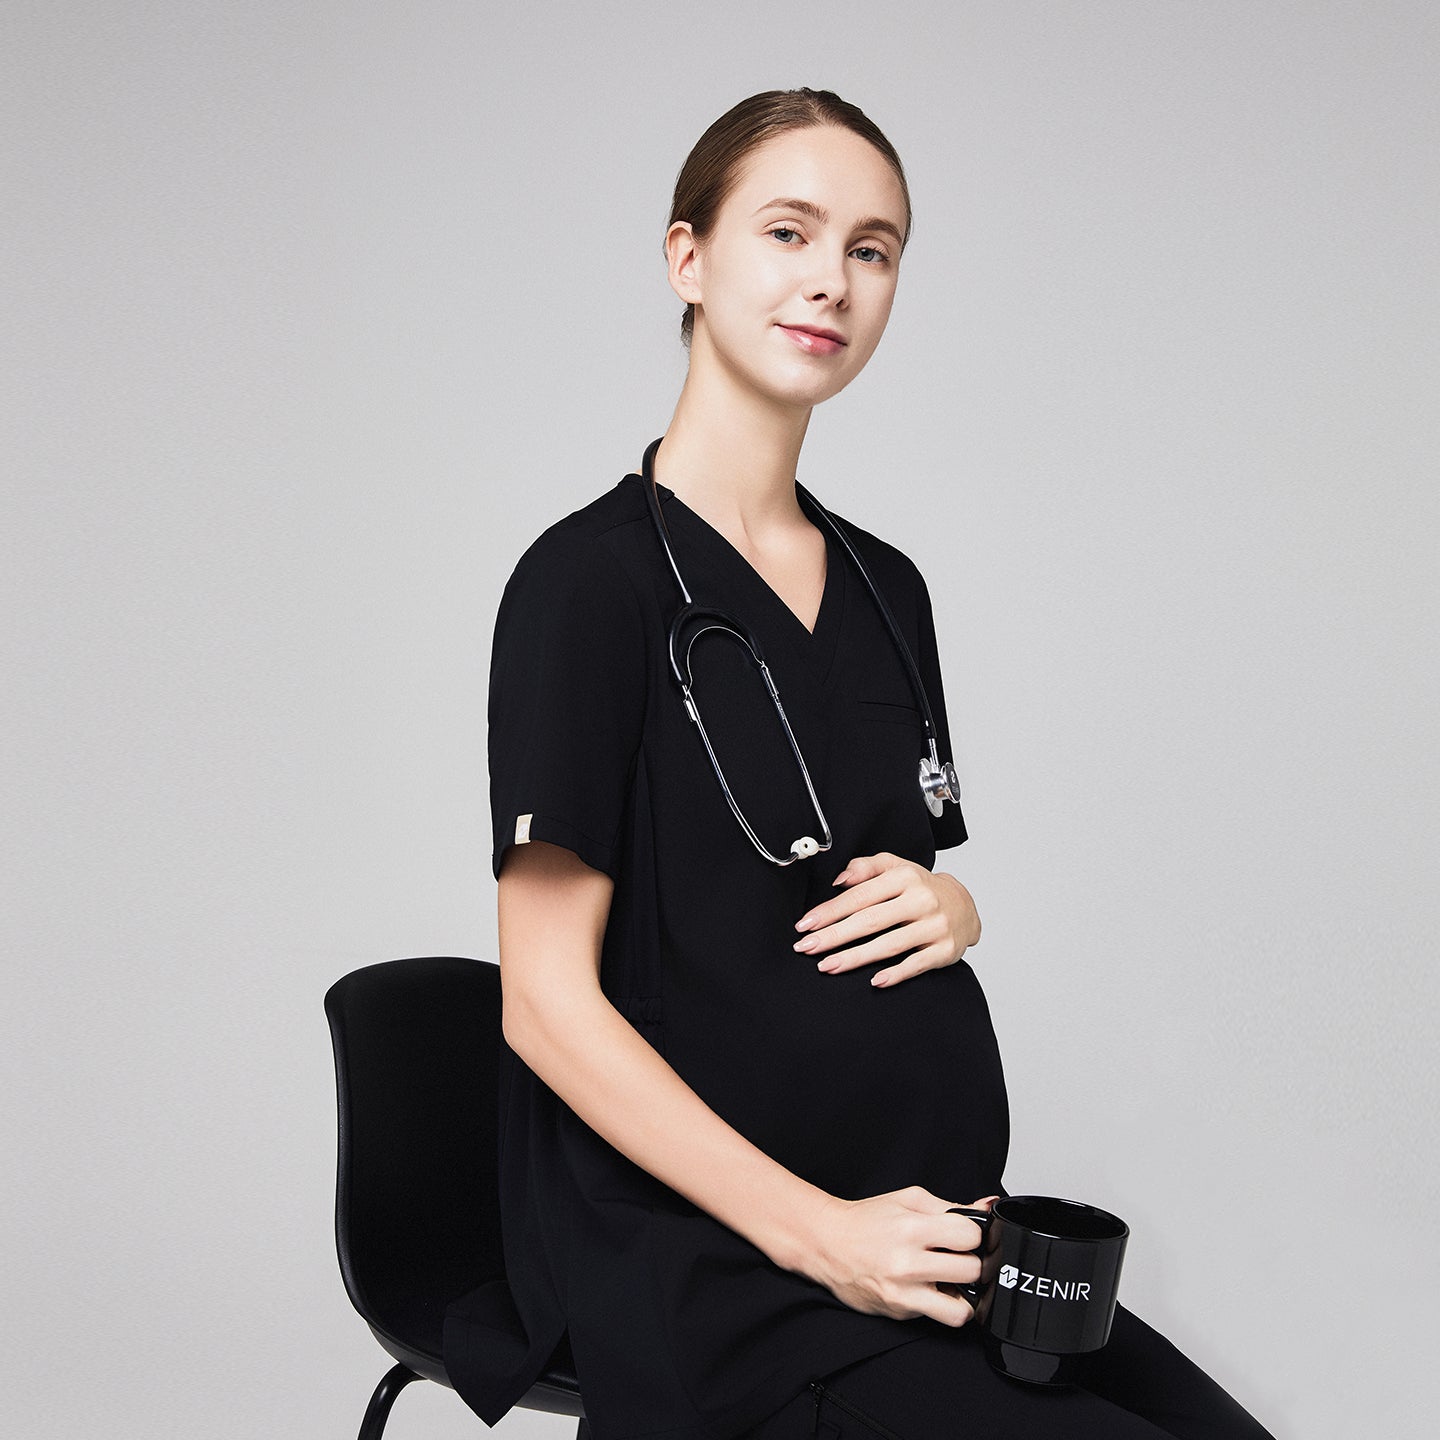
pixel 982 1218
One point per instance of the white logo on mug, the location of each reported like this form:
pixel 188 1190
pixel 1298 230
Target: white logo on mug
pixel 1012 1276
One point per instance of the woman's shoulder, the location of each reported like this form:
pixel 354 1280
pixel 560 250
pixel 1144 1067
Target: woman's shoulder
pixel 595 543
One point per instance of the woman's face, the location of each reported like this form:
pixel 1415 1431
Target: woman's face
pixel 830 262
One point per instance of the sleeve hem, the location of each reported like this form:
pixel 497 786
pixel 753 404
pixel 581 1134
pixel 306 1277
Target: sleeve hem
pixel 597 855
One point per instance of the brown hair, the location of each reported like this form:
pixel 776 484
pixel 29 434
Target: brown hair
pixel 713 166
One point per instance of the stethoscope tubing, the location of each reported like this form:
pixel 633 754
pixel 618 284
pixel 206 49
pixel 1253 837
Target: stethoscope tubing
pixel 938 782
pixel 912 670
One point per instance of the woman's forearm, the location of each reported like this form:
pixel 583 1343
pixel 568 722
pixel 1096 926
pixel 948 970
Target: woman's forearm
pixel 596 1062
pixel 552 919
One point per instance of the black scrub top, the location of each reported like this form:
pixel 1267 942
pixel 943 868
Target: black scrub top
pixel 678 1326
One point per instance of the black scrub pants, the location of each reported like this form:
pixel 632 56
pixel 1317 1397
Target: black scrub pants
pixel 941 1387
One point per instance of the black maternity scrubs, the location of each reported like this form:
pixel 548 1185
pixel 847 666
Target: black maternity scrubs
pixel 680 1329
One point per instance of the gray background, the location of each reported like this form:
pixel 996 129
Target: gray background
pixel 317 314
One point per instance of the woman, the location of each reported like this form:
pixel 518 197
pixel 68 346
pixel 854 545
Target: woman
pixel 749 1073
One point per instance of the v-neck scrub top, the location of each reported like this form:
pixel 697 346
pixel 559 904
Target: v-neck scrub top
pixel 681 1329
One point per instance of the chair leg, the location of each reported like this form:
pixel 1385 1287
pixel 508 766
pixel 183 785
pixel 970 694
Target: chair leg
pixel 378 1412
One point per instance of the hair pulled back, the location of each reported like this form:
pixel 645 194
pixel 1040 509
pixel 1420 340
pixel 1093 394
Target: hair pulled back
pixel 712 168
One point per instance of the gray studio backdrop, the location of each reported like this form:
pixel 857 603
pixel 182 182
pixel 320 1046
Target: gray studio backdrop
pixel 315 315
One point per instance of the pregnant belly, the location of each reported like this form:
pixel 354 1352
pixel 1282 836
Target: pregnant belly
pixel 857 1089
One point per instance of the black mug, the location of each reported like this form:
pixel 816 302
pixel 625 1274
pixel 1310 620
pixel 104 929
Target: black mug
pixel 1049 1275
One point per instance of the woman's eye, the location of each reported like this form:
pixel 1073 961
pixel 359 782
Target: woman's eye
pixel 870 254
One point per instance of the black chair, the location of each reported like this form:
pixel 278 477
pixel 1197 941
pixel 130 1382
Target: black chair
pixel 416 1196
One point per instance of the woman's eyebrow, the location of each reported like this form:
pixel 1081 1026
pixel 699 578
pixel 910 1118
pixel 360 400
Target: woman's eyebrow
pixel 821 216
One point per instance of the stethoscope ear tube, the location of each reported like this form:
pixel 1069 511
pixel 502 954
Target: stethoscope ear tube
pixel 691 622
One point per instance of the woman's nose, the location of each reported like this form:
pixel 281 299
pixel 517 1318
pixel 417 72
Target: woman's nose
pixel 827 279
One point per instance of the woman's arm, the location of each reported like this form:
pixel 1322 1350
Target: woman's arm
pixel 883 1255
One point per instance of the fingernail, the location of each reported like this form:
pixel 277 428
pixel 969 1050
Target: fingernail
pixel 880 981
pixel 828 965
pixel 804 922
pixel 807 944
pixel 841 878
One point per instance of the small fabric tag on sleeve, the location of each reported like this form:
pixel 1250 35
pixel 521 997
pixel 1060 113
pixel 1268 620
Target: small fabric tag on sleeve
pixel 522 828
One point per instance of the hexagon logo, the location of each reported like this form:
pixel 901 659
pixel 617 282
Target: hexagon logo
pixel 1009 1276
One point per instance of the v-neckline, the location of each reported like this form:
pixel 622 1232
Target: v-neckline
pixel 721 546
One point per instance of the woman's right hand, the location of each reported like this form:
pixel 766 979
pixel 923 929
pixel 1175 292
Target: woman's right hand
pixel 890 1254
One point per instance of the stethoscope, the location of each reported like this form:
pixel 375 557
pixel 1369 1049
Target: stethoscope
pixel 938 783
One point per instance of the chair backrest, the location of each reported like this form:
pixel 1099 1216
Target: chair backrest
pixel 417 1045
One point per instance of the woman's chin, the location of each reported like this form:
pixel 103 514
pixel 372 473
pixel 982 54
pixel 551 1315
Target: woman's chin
pixel 801 389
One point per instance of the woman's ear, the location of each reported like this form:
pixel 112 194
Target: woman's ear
pixel 682 254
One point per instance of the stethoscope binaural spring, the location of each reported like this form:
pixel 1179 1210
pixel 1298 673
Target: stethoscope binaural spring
pixel 938 782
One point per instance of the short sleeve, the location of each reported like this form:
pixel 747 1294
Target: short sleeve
pixel 949 826
pixel 567 700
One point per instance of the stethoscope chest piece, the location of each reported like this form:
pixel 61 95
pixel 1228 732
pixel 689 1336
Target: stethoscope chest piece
pixel 938 783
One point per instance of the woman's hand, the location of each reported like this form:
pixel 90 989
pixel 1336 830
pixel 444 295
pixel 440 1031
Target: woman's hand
pixel 935 914
pixel 897 1254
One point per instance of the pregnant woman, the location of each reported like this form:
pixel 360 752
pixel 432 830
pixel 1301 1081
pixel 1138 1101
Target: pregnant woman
pixel 748 1069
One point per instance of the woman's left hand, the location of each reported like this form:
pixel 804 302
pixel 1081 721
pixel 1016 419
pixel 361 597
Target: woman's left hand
pixel 935 915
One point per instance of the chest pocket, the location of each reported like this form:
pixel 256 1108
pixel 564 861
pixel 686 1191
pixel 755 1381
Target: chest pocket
pixel 892 712
pixel 889 739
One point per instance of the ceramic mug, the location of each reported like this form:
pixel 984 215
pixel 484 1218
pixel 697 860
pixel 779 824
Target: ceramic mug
pixel 1049 1276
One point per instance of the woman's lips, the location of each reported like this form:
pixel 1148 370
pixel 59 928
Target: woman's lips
pixel 813 344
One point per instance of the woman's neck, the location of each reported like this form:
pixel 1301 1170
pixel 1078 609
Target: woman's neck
pixel 731 457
